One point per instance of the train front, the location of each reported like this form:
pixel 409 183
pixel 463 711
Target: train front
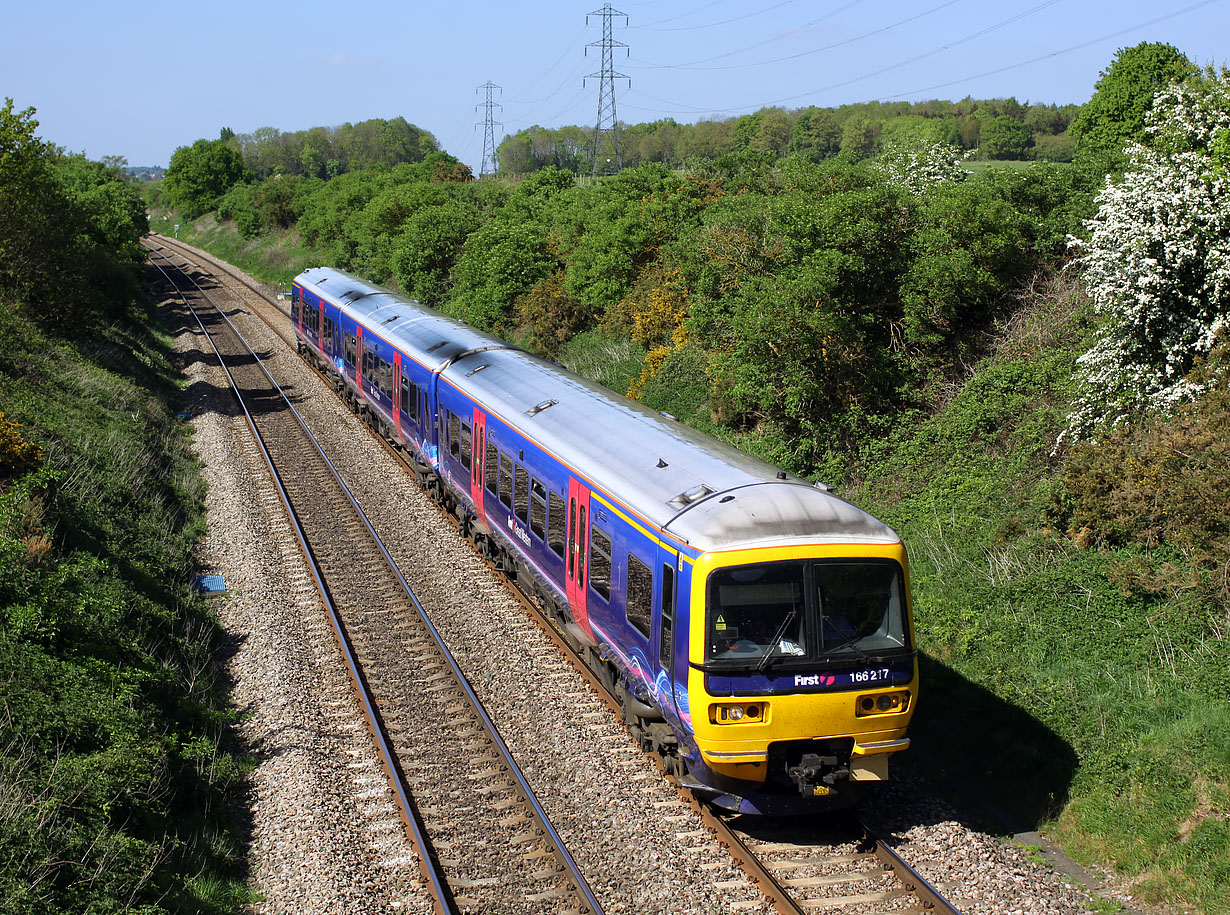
pixel 803 672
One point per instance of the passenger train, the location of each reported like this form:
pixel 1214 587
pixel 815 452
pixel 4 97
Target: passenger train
pixel 756 628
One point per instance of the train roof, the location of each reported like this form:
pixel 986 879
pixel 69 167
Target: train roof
pixel 708 493
pixel 417 330
pixel 701 490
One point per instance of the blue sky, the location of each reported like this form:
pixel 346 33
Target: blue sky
pixel 140 80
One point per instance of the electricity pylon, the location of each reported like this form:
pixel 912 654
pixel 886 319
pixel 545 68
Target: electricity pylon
pixel 489 124
pixel 607 157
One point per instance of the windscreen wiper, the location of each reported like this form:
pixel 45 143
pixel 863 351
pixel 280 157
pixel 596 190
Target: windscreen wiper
pixel 781 630
pixel 849 643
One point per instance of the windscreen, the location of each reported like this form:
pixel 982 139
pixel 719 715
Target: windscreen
pixel 804 610
pixel 860 606
pixel 756 611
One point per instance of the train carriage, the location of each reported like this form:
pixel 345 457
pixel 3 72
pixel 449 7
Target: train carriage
pixel 756 627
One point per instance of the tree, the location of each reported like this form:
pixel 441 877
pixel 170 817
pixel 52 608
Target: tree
pixel 201 173
pixel 1004 137
pixel 1157 260
pixel 498 263
pixel 858 137
pixel 1122 98
pixel 69 228
pixel 427 245
pixel 815 134
pixel 32 225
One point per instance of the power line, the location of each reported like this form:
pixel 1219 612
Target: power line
pixel 1067 50
pixel 607 125
pixel 829 15
pixel 708 25
pixel 699 9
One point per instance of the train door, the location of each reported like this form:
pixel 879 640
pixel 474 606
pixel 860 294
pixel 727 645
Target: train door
pixel 668 631
pixel 575 565
pixel 358 358
pixel 478 456
pixel 395 385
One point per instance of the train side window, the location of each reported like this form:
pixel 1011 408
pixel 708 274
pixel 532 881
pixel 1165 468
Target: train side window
pixel 506 480
pixel 665 650
pixel 600 563
pixel 640 595
pixel 521 495
pixel 493 467
pixel 538 509
pixel 405 393
pixel 454 434
pixel 555 526
pixel 467 445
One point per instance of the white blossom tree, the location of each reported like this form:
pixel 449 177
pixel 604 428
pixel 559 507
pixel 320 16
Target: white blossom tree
pixel 1157 260
pixel 920 167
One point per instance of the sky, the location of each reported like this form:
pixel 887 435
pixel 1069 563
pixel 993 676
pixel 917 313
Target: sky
pixel 138 81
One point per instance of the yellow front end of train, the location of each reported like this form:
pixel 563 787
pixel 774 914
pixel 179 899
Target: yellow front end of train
pixel 802 669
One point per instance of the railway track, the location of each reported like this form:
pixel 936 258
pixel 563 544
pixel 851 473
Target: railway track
pixel 484 842
pixel 843 869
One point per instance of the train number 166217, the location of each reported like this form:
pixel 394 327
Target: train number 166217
pixel 870 676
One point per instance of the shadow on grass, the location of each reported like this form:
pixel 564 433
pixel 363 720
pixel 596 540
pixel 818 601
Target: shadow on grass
pixel 999 766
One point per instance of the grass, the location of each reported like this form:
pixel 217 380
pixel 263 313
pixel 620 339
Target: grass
pixel 108 680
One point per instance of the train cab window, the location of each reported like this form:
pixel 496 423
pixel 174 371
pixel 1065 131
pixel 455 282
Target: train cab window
pixel 665 649
pixel 493 467
pixel 555 526
pixel 506 480
pixel 454 434
pixel 467 445
pixel 600 563
pixel 538 509
pixel 640 594
pixel 521 495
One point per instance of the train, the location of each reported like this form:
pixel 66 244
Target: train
pixel 756 629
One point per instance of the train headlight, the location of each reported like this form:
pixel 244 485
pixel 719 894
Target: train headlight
pixel 738 712
pixel 882 704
